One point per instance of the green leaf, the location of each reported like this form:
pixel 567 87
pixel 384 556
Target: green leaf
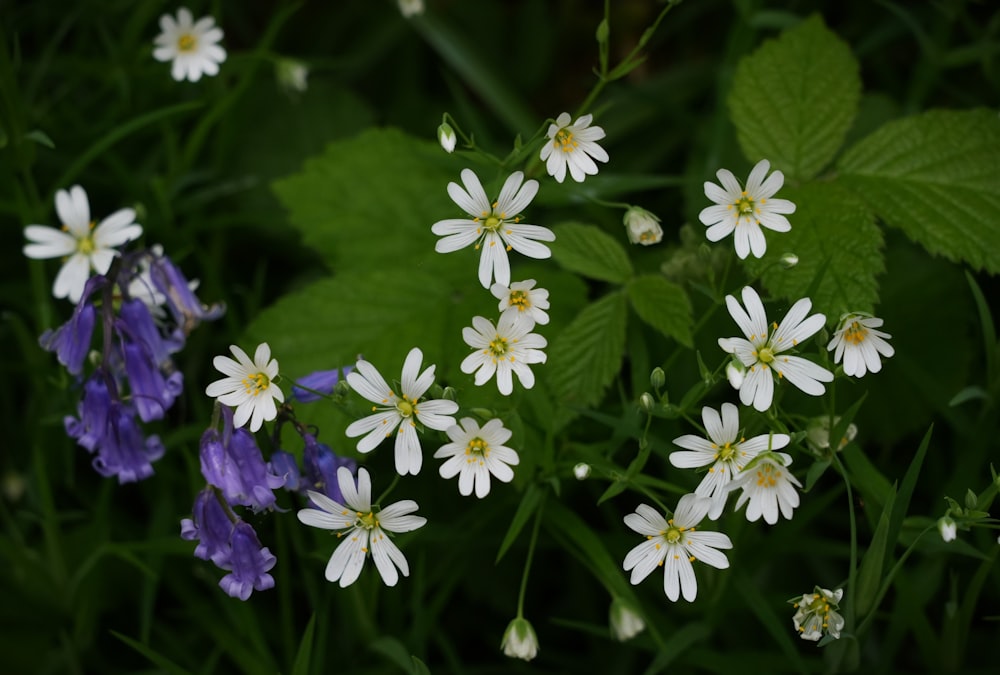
pixel 793 100
pixel 663 305
pixel 529 504
pixel 934 176
pixel 870 573
pixel 303 656
pixel 154 657
pixel 830 228
pixel 419 667
pixel 40 137
pixel 680 641
pixel 394 651
pixel 902 502
pixel 585 358
pixel 874 486
pixel 590 251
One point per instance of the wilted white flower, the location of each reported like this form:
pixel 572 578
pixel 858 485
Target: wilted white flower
pixel 817 614
pixel 519 640
pixel 642 226
pixel 625 622
pixel 818 434
pixel 769 487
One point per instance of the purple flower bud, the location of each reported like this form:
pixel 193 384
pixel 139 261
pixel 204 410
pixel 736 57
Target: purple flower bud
pixel 90 430
pixel 142 327
pixel 321 465
pixel 150 393
pixel 123 451
pixel 187 310
pixel 283 464
pixel 322 381
pixel 71 341
pixel 249 562
pixel 211 527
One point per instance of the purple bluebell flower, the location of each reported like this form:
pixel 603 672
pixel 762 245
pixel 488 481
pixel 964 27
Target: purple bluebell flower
pixel 232 462
pixel 92 426
pixel 71 341
pixel 284 464
pixel 151 394
pixel 211 527
pixel 321 464
pixel 322 381
pixel 141 326
pixel 249 563
pixel 188 311
pixel 124 452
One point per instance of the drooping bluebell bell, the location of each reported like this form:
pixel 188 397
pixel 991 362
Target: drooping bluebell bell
pixel 71 341
pixel 322 381
pixel 232 462
pixel 321 464
pixel 93 410
pixel 211 526
pixel 285 465
pixel 249 563
pixel 152 393
pixel 187 310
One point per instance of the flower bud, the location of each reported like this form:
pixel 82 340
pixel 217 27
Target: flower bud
pixel 519 640
pixel 948 528
pixel 642 226
pixel 657 378
pixel 410 8
pixel 447 138
pixel 292 75
pixel 789 260
pixel 734 373
pixel 625 621
pixel 581 471
pixel 646 402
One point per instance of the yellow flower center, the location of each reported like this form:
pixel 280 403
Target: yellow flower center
pixel 366 521
pixel 406 407
pixel 564 141
pixel 856 334
pixel 520 300
pixel 498 346
pixel 767 476
pixel 477 446
pixel 187 43
pixel 726 452
pixel 765 355
pixel 256 383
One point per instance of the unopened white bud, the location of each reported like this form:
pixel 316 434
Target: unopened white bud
pixel 581 471
pixel 642 226
pixel 446 137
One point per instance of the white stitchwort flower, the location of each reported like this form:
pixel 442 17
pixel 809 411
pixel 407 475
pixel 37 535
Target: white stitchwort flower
pixel 362 528
pixel 724 456
pixel 523 299
pixel 573 146
pixel 508 348
pixel 948 528
pixel 769 487
pixel 675 544
pixel 761 351
pixel 402 410
pixel 519 640
pixel 249 386
pixel 745 211
pixel 642 226
pixel 496 227
pixel 625 622
pixel 84 246
pixel 859 344
pixel 193 47
pixel 816 614
pixel 475 453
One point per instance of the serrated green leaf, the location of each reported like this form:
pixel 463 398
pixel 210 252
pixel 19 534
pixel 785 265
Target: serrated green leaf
pixel 934 176
pixel 588 250
pixel 829 227
pixel 663 305
pixel 793 100
pixel 585 358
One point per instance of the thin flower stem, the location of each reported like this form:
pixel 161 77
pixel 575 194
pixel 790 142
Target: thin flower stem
pixel 853 571
pixel 888 581
pixel 527 562
pixel 389 489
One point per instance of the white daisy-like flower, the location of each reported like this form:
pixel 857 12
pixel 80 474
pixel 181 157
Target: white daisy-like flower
pixel 769 487
pixel 675 544
pixel 746 211
pixel 403 410
pixel 475 453
pixel 362 528
pixel 816 614
pixel 762 351
pixel 85 247
pixel 193 47
pixel 496 227
pixel 724 456
pixel 509 347
pixel 249 386
pixel 523 299
pixel 858 343
pixel 573 146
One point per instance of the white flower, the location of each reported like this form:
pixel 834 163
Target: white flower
pixel 496 227
pixel 193 47
pixel 507 348
pixel 675 544
pixel 248 386
pixel 859 344
pixel 523 299
pixel 642 227
pixel 84 246
pixel 723 452
pixel 745 211
pixel 735 371
pixel 399 410
pixel 948 528
pixel 519 640
pixel 362 529
pixel 761 352
pixel 817 614
pixel 581 470
pixel 476 453
pixel 447 137
pixel 625 622
pixel 818 434
pixel 411 8
pixel 769 487
pixel 574 146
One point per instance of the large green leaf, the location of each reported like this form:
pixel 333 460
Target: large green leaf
pixel 663 305
pixel 585 357
pixel 934 176
pixel 793 100
pixel 835 237
pixel 590 251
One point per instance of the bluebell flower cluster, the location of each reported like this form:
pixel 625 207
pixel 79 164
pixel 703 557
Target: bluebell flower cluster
pixel 134 378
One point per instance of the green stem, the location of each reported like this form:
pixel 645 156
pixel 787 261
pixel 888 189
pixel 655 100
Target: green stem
pixel 887 583
pixel 853 571
pixel 527 562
